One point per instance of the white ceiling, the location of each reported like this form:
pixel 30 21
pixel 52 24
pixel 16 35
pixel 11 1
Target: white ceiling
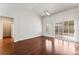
pixel 39 8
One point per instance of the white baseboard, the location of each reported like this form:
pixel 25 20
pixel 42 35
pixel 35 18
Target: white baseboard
pixel 66 38
pixel 16 40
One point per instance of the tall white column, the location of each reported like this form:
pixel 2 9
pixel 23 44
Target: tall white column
pixel 77 26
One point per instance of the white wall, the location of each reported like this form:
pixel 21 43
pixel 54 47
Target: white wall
pixel 26 23
pixel 60 17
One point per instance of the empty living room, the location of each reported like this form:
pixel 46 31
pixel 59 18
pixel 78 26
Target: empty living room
pixel 39 28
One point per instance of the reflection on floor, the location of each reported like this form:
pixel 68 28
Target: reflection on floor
pixel 39 46
pixel 46 46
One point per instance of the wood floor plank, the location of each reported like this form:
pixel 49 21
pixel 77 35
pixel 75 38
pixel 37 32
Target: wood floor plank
pixel 46 46
pixel 39 46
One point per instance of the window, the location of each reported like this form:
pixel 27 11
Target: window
pixel 65 28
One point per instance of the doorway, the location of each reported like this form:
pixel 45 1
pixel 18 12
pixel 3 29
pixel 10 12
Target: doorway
pixel 7 38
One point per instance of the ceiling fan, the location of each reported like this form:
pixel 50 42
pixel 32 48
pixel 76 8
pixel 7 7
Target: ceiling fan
pixel 45 13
